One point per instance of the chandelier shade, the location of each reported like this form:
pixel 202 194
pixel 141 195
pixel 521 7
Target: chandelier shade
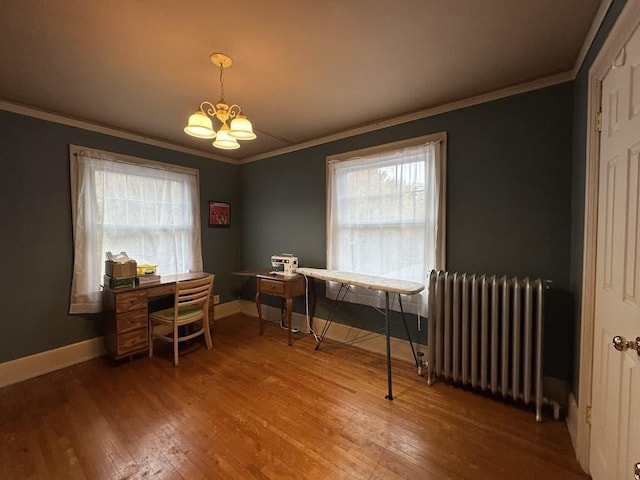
pixel 241 128
pixel 200 124
pixel 224 140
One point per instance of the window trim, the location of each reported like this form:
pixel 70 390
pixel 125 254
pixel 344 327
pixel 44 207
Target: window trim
pixel 93 299
pixel 441 139
pixel 128 159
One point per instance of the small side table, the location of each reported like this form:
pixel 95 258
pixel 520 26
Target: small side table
pixel 285 287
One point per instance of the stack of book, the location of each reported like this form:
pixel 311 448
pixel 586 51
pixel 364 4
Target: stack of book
pixel 113 282
pixel 144 279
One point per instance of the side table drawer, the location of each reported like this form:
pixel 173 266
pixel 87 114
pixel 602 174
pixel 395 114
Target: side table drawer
pixel 127 301
pixel 132 320
pixel 273 287
pixel 133 341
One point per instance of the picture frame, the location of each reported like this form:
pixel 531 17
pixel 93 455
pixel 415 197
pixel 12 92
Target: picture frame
pixel 219 214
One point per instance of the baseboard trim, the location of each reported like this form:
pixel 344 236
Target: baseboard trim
pixel 372 342
pixel 226 309
pixel 31 366
pixel 572 420
pixel 556 391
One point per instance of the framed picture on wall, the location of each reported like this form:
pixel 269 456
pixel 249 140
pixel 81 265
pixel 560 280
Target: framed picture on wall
pixel 219 214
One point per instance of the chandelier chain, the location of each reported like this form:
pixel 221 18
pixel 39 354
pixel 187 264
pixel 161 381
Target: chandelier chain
pixel 222 83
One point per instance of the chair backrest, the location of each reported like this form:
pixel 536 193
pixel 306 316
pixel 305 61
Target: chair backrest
pixel 193 293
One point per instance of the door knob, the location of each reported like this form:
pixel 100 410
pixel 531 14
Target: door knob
pixel 636 471
pixel 621 344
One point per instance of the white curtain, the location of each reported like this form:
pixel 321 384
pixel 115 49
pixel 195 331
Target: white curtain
pixel 383 219
pixel 150 211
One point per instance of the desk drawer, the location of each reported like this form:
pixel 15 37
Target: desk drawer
pixel 131 342
pixel 133 300
pixel 132 320
pixel 161 291
pixel 272 287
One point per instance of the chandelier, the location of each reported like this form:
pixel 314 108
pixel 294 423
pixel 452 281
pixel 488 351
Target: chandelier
pixel 227 136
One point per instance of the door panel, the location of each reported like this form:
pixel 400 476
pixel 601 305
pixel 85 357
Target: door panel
pixel 615 430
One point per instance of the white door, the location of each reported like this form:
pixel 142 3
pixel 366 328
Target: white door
pixel 615 414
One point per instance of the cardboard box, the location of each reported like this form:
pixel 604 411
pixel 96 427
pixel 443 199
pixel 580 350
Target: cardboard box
pixel 120 270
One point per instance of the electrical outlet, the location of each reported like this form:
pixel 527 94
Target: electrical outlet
pixel 216 299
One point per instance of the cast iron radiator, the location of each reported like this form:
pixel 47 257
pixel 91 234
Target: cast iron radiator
pixel 485 332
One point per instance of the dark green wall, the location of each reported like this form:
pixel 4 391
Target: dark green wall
pixel 515 205
pixel 508 199
pixel 508 189
pixel 579 173
pixel 37 242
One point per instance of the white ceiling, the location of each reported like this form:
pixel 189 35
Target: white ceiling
pixel 302 70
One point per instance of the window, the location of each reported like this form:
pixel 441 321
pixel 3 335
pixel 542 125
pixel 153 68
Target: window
pixel 148 209
pixel 385 215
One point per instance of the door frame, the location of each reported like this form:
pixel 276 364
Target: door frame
pixel 624 26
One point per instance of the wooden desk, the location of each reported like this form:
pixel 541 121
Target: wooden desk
pixel 126 313
pixel 282 286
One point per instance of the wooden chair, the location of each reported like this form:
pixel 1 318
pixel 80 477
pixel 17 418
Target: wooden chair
pixel 176 324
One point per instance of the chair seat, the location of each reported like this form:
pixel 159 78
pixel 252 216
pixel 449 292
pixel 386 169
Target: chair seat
pixel 191 302
pixel 185 315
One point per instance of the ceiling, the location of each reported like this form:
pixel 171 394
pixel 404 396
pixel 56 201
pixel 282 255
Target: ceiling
pixel 301 70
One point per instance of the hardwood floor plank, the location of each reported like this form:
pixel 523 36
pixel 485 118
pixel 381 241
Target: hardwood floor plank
pixel 254 408
pixel 135 429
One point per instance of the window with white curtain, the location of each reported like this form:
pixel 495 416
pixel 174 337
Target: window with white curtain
pixel 150 210
pixel 386 215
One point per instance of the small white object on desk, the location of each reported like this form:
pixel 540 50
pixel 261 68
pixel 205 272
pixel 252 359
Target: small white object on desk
pixel 286 264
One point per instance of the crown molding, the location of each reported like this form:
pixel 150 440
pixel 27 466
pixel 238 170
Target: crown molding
pixel 98 128
pixel 591 34
pixel 420 114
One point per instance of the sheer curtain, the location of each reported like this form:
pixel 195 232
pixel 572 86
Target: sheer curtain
pixel 148 209
pixel 384 219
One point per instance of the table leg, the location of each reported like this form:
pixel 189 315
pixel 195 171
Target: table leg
pixel 261 326
pixel 289 309
pixel 386 321
pixel 311 289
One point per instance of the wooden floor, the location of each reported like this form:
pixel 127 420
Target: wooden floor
pixel 253 408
